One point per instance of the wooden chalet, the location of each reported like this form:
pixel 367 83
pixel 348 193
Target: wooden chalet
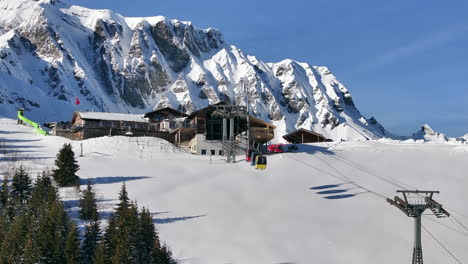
pixel 305 136
pixel 166 119
pixel 202 131
pixel 86 125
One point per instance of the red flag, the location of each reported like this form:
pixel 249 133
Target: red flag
pixel 77 101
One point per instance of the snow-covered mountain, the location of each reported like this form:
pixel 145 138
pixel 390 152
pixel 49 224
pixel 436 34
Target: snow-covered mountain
pixel 52 52
pixel 427 134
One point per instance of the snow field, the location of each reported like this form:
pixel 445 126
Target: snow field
pixel 289 213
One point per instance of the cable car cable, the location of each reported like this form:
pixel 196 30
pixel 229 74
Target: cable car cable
pixel 441 244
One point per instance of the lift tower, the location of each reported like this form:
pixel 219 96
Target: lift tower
pixel 413 204
pixel 228 113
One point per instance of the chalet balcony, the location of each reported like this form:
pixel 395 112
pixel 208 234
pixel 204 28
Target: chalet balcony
pixel 261 134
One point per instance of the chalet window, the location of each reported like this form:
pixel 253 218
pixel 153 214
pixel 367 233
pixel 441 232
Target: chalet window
pixel 214 129
pixel 213 152
pixel 203 151
pixel 220 152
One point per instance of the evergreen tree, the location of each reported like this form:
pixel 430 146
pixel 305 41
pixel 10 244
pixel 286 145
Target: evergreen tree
pixel 132 223
pixel 122 236
pixel 110 235
pixel 148 237
pixel 72 246
pixel 3 227
pixel 91 240
pixel 125 238
pixel 21 186
pixel 14 239
pixel 164 256
pixel 124 201
pixel 67 166
pixel 4 193
pixel 44 193
pixel 39 231
pixel 52 234
pixel 31 254
pixel 88 204
pixel 99 254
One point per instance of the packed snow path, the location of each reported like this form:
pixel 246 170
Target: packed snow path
pixel 323 204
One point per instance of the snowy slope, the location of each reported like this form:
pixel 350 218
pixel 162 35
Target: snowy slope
pixel 231 213
pixel 51 52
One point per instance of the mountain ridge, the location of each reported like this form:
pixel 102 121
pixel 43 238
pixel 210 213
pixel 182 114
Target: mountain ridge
pixel 119 64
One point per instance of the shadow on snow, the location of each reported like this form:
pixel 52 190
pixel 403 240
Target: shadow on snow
pixel 169 220
pixel 329 192
pixel 111 179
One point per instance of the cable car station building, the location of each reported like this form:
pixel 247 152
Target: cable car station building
pixel 205 131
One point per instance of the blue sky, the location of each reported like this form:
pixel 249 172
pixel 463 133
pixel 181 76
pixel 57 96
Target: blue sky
pixel 404 62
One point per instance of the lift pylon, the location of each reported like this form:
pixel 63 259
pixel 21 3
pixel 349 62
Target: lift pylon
pixel 413 204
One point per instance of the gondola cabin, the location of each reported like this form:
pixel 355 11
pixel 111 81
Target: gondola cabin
pixel 260 162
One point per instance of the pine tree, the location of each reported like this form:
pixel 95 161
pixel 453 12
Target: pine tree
pixel 4 193
pixel 164 256
pixel 148 237
pixel 3 227
pixel 72 246
pixel 21 186
pixel 110 235
pixel 88 204
pixel 31 254
pixel 52 234
pixel 124 201
pixel 99 256
pixel 131 237
pixel 67 166
pixel 91 240
pixel 125 239
pixel 132 223
pixel 14 240
pixel 43 193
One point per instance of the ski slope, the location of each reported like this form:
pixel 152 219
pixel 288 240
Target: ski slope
pixel 323 204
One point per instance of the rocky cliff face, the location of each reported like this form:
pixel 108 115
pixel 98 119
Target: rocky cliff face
pixel 51 53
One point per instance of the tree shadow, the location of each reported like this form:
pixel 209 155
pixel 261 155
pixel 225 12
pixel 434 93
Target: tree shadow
pixel 19 147
pixel 13 132
pixel 8 140
pixel 69 204
pixel 158 213
pixel 22 158
pixel 169 220
pixel 99 153
pixel 111 179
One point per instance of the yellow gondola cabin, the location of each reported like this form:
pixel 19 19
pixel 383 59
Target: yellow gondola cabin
pixel 260 162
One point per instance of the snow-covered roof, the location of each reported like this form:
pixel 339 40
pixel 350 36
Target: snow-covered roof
pixel 112 116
